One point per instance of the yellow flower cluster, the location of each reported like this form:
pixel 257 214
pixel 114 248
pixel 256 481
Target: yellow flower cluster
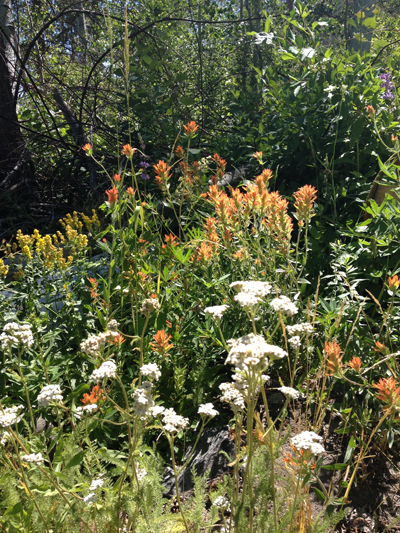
pixel 91 223
pixel 3 269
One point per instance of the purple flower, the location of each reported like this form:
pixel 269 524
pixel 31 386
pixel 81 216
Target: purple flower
pixel 387 85
pixel 144 164
pixel 145 176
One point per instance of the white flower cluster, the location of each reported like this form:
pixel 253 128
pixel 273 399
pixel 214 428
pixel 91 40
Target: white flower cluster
pixel 284 305
pixel 107 370
pixel 216 311
pixel 295 342
pixel 289 392
pixel 222 503
pixel 143 401
pixel 4 438
pixel 207 409
pixel 86 409
pixel 97 483
pixel 112 325
pixel 9 416
pixel 33 458
pixel 90 498
pixel 173 422
pixel 250 293
pixel 14 333
pixel 308 440
pixel 151 371
pixel 157 410
pixel 252 350
pixel 233 396
pixel 141 473
pixel 149 305
pixel 93 344
pixel 300 329
pixel 49 394
pixel 247 299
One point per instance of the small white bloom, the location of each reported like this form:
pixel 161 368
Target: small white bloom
pixel 222 503
pixel 90 498
pixel 284 305
pixel 247 299
pixel 295 342
pixel 151 371
pixel 86 409
pixel 126 291
pixel 289 392
pixel 308 440
pixel 97 483
pixel 14 334
pixel 258 288
pixel 107 370
pixel 112 325
pixel 9 416
pixel 216 311
pixel 207 409
pixel 141 473
pixel 4 438
pixel 33 458
pixel 157 410
pixel 300 329
pixel 233 396
pixel 251 351
pixel 144 402
pixel 118 288
pixel 49 394
pixel 149 305
pixel 172 423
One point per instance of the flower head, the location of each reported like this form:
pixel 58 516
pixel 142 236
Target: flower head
pixel 305 198
pixel 49 394
pixel 380 347
pixel 14 334
pixel 355 364
pixel 143 400
pixel 393 283
pixel 389 393
pixel 85 410
pixel 112 195
pixel 10 415
pixel 130 191
pixel 162 174
pixel 95 395
pixel 161 342
pixel 258 156
pixel 370 110
pixel 300 329
pixel 151 371
pixel 87 148
pixel 150 305
pixel 128 151
pixel 222 503
pixel 216 311
pixel 289 392
pixel 190 128
pixel 387 85
pixel 172 423
pixel 308 440
pixel 33 458
pixel 284 305
pixel 252 351
pixel 107 370
pixel 334 361
pixel 90 499
pixel 117 177
pixel 207 409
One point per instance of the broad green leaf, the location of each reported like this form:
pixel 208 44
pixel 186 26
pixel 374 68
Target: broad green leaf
pixel 76 460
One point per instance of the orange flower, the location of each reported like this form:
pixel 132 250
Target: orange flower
pixel 240 254
pixel 394 138
pixel 370 110
pixel 356 364
pixel 190 128
pixel 393 283
pixel 180 152
pixel 170 240
pixel 112 195
pixel 130 191
pixel 161 342
pixel 93 290
pixel 87 148
pixel 204 254
pixel 258 156
pixel 95 395
pixel 162 175
pixel 305 198
pixel 128 151
pixel 334 361
pixel 380 347
pixel 388 393
pixel 117 177
pixel 118 340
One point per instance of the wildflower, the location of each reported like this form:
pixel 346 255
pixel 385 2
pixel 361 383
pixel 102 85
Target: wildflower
pixel 112 195
pixel 117 340
pixel 289 392
pixel 284 305
pixel 216 311
pixel 140 473
pixel 308 440
pixel 117 177
pixel 10 415
pixel 90 498
pixel 157 410
pixel 388 393
pixel 112 325
pixel 180 152
pixel 33 458
pixel 252 351
pixel 151 371
pixel 295 342
pixel 370 110
pixel 94 343
pixel 172 423
pixel 87 148
pixel 222 503
pixel 86 409
pixel 258 288
pixel 14 334
pixel 233 396
pixel 334 361
pixel 94 396
pixel 207 409
pixel 97 483
pixel 190 128
pixel 394 138
pixel 128 151
pixel 143 401
pixel 300 329
pixel 247 299
pixel 380 347
pixel 170 240
pixel 107 370
pixel 393 283
pixel 305 198
pixel 204 253
pixel 161 342
pixel 4 438
pixel 149 305
pixel 258 156
pixel 387 85
pixel 49 394
pixel 145 176
pixel 130 191
pixel 355 363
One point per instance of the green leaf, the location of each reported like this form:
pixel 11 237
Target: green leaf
pixel 370 22
pixel 356 130
pixel 307 52
pixel 320 494
pixel 337 466
pixel 186 100
pixel 76 460
pixel 16 509
pixel 286 56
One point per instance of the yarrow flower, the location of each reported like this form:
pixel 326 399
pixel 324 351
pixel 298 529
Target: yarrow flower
pixel 93 344
pixel 157 410
pixel 247 299
pixel 207 409
pixel 300 329
pixel 33 458
pixel 9 415
pixel 90 499
pixel 85 410
pixel 233 396
pixel 112 325
pixel 143 402
pixel 151 371
pixel 289 392
pixel 4 438
pixel 14 334
pixel 284 305
pixel 97 483
pixel 222 503
pixel 107 370
pixel 258 288
pixel 252 351
pixel 49 394
pixel 216 311
pixel 172 423
pixel 308 440
pixel 141 473
pixel 295 342
pixel 149 305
